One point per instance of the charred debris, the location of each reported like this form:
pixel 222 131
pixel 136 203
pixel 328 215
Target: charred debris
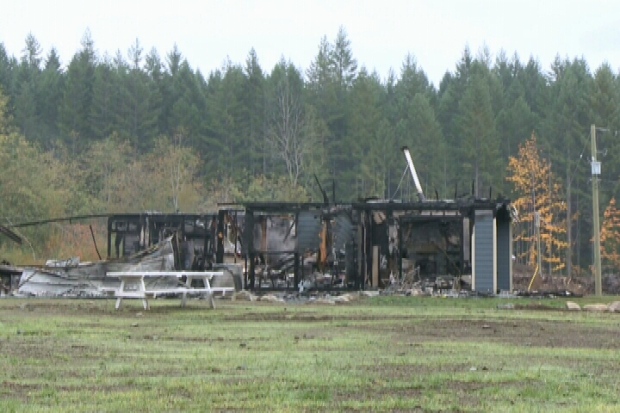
pixel 465 243
pixel 373 244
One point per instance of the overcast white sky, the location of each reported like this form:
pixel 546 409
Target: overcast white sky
pixel 382 32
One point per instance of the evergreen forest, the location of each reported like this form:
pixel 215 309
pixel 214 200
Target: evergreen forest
pixel 140 130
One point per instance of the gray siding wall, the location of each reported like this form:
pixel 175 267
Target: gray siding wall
pixel 483 259
pixel 308 230
pixel 504 255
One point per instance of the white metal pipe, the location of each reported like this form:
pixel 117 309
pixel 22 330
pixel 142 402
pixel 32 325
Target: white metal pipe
pixel 414 173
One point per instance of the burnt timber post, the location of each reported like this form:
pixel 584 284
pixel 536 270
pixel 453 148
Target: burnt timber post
pixel 219 249
pixel 296 278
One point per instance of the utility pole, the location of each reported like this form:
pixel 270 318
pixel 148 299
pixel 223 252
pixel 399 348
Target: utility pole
pixel 596 171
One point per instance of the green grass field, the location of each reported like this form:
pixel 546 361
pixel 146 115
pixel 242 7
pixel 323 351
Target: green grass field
pixel 380 354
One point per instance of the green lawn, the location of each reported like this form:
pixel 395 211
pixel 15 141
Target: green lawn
pixel 379 354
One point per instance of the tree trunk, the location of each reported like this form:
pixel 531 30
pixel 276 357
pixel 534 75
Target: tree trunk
pixel 569 225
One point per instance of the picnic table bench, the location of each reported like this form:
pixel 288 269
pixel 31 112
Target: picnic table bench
pixel 137 288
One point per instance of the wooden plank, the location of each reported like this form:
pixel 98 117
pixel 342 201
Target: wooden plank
pixel 375 266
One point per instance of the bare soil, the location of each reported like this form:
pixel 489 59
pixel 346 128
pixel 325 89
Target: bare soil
pixel 553 333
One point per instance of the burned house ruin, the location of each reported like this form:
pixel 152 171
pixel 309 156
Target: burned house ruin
pixel 464 243
pixel 446 241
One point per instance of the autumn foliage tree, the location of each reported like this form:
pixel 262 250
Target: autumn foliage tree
pixel 538 191
pixel 610 237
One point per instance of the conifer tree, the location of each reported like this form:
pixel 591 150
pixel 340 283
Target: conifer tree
pixel 51 89
pixel 363 139
pixel 256 119
pixel 77 99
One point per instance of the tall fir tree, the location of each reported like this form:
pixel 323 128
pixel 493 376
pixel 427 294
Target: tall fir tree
pixel 51 89
pixel 257 124
pixel 605 104
pixel 478 145
pixel 418 128
pixel 322 92
pixel 78 96
pixel 367 176
pixel 27 100
pixel 5 70
pixel 139 103
pixel 106 101
pixel 564 135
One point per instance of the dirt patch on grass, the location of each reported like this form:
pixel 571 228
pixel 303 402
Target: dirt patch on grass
pixel 411 371
pixel 464 391
pixel 535 333
pixel 18 391
pixel 65 307
pixel 377 391
pixel 537 306
pixel 465 395
pixel 209 340
pixel 302 316
pixel 24 391
pixel 521 333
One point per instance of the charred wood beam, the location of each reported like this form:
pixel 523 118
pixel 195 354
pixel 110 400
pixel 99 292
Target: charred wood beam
pixel 424 218
pixel 458 205
pixel 157 217
pixel 92 234
pixel 219 249
pixel 325 198
pixel 274 252
pixel 296 274
pixel 282 206
pixel 10 234
pixel 53 220
pixel 290 228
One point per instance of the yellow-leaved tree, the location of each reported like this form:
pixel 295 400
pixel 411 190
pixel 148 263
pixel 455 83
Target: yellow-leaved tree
pixel 538 192
pixel 610 237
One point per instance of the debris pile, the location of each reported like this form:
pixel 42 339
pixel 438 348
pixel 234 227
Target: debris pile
pixel 412 284
pixel 561 285
pixel 598 308
pixel 296 298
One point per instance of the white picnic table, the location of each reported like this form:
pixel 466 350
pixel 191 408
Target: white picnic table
pixel 137 289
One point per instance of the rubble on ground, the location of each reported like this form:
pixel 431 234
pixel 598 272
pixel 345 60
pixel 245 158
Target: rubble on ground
pixel 561 285
pixel 322 300
pixel 599 308
pixel 244 295
pixel 614 307
pixel 270 298
pixel 369 293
